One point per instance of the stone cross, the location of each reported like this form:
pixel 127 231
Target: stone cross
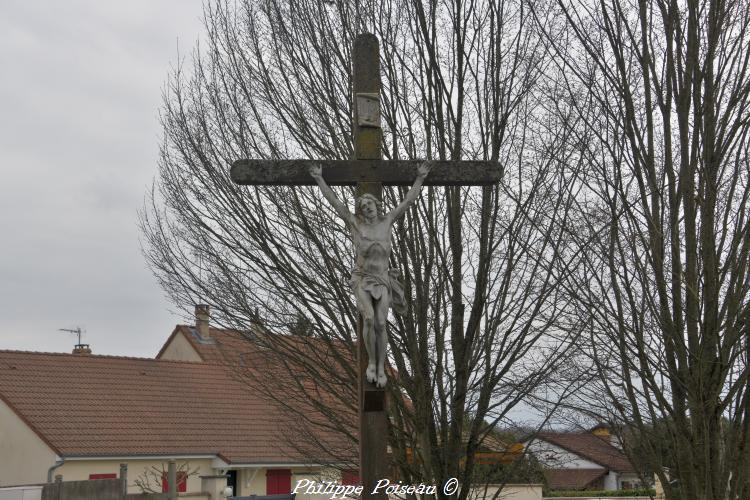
pixel 369 173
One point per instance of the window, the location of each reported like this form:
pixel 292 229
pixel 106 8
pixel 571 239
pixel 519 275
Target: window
pixel 103 476
pixel 278 481
pixel 350 477
pixel 181 482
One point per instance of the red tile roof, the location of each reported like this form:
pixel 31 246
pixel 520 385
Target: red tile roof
pixel 591 447
pixel 317 374
pixel 228 347
pixel 572 479
pixel 84 405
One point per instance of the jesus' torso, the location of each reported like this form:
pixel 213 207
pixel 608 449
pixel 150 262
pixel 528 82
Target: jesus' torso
pixel 372 244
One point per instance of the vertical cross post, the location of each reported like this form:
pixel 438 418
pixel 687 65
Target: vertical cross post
pixel 373 418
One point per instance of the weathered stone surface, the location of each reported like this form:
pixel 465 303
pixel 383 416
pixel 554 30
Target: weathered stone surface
pixel 366 80
pixel 368 110
pixel 368 146
pixel 366 64
pixel 351 172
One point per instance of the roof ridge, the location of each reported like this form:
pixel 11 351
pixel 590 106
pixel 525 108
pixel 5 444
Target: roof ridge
pixel 232 330
pixel 572 433
pixel 567 433
pixel 582 451
pixel 99 356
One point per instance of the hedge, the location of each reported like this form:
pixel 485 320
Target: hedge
pixel 602 493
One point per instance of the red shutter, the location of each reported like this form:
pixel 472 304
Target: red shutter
pixel 350 478
pixel 103 476
pixel 181 482
pixel 278 481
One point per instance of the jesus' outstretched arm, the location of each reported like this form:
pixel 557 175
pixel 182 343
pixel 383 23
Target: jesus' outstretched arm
pixel 316 172
pixel 411 196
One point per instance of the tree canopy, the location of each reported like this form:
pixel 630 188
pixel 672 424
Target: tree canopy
pixel 481 266
pixel 611 262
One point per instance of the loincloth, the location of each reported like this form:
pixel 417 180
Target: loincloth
pixel 374 283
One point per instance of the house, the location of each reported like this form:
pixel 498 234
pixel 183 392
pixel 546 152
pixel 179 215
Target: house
pixel 82 415
pixel 583 460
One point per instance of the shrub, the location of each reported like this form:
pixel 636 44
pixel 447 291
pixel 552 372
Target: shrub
pixel 602 493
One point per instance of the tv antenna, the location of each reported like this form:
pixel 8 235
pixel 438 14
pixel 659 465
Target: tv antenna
pixel 77 330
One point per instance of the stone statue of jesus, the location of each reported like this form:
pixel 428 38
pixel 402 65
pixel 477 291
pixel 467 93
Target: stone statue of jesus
pixel 375 286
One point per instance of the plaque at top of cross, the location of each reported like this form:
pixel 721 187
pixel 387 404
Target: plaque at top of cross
pixel 374 285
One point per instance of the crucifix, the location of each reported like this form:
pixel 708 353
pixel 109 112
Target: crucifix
pixel 371 234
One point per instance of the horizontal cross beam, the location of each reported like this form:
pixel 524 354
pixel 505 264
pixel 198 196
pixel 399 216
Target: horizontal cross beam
pixel 350 172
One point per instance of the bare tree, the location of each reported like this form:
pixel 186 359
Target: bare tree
pixel 481 266
pixel 661 92
pixel 153 479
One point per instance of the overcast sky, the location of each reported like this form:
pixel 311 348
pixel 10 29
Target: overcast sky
pixel 80 91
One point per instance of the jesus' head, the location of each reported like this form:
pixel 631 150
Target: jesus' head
pixel 369 206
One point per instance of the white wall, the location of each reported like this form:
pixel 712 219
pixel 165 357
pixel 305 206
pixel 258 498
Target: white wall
pixel 630 477
pixel 21 493
pixel 611 481
pixel 24 457
pixel 508 492
pixel 79 470
pixel 179 349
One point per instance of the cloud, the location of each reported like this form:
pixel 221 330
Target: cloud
pixel 79 140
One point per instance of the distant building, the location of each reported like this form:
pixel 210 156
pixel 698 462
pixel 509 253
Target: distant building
pixel 583 460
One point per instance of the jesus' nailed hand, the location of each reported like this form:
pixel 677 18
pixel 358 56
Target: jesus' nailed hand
pixel 375 287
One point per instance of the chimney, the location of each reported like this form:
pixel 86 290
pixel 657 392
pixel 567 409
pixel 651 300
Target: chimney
pixel 82 349
pixel 202 319
pixel 603 431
